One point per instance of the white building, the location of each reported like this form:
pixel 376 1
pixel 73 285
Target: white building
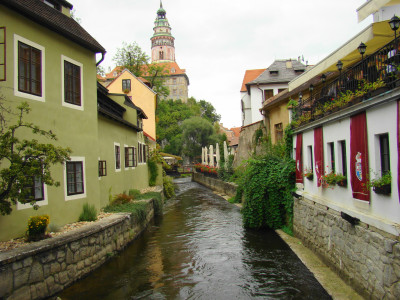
pixel 261 84
pixel 354 227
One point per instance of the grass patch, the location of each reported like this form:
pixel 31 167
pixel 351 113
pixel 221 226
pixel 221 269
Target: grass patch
pixel 138 210
pixel 232 200
pixel 286 229
pixel 158 202
pixel 89 213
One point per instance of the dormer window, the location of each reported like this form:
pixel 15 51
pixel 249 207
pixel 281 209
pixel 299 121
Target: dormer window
pixel 273 72
pixel 53 4
pixel 173 70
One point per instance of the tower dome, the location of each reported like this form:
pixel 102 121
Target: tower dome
pixel 162 41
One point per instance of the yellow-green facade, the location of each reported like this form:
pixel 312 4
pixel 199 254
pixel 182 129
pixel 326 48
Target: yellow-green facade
pixel 90 136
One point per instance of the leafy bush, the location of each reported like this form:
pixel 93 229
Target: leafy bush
pixel 153 169
pixel 37 227
pixel 121 199
pixel 89 213
pixel 169 187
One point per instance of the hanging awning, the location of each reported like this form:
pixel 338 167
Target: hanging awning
pixel 374 36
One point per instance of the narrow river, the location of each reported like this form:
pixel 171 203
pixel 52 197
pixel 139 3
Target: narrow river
pixel 199 250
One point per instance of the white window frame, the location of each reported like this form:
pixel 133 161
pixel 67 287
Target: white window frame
pixel 17 93
pixel 39 203
pixel 80 65
pixel 77 196
pixel 120 161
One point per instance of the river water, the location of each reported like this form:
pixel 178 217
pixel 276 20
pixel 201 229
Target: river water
pixel 199 250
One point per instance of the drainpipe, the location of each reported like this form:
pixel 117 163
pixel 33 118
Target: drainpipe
pixel 102 58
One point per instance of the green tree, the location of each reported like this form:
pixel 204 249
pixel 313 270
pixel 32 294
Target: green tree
pixel 170 117
pixel 23 161
pixel 156 75
pixel 131 57
pixel 197 132
pixel 208 111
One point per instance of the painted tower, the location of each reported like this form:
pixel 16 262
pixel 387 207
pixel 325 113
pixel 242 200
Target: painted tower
pixel 162 41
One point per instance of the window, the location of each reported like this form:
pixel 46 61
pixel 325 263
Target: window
pixel 36 190
pixel 385 155
pixel 278 132
pixel 268 94
pixel 53 4
pixel 29 69
pixel 126 84
pixel 174 80
pixel 161 55
pixel 281 90
pixel 310 159
pixel 343 157
pixel 2 53
pixel 331 156
pixel 72 83
pixel 117 157
pixel 74 178
pixel 129 157
pixel 102 168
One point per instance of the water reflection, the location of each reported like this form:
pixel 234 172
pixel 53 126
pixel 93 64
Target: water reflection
pixel 199 250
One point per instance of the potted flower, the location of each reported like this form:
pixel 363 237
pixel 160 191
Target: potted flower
pixel 341 180
pixel 382 185
pixel 308 173
pixel 329 179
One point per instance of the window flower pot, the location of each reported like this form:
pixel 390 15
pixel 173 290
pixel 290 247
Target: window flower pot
pixel 383 189
pixel 342 183
pixel 310 176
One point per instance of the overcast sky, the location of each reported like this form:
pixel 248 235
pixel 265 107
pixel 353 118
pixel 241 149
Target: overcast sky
pixel 217 40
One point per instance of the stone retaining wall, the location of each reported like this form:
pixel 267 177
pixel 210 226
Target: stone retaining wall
pixel 44 268
pixel 366 257
pixel 215 184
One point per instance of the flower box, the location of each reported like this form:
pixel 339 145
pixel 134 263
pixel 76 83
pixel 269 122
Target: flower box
pixel 310 176
pixel 342 183
pixel 385 189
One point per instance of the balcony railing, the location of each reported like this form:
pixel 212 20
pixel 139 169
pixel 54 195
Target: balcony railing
pixel 372 75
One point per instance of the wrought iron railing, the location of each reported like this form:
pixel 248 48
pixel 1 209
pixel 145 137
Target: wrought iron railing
pixel 380 69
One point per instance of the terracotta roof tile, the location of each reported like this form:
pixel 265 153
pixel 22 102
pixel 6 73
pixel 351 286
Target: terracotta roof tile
pixel 52 19
pixel 236 131
pixel 250 75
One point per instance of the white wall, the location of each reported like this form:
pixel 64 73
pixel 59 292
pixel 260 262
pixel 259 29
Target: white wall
pixel 246 117
pixel 257 99
pixel 380 211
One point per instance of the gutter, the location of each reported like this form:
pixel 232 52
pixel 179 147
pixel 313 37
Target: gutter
pixel 102 58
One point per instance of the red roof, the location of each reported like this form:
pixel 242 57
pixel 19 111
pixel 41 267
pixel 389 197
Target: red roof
pixel 171 67
pixel 236 131
pixel 250 75
pixel 149 136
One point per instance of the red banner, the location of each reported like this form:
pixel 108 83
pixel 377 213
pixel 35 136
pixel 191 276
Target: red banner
pixel 359 168
pixel 299 158
pixel 318 154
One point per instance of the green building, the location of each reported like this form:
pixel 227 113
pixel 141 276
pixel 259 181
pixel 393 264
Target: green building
pixel 48 60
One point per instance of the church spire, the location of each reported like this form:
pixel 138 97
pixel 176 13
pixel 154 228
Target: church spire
pixel 162 41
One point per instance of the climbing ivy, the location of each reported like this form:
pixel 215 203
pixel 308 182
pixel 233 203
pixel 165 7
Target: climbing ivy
pixel 266 187
pixel 288 141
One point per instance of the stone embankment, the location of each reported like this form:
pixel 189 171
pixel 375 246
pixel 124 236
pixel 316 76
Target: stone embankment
pixel 227 188
pixel 364 256
pixel 42 269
